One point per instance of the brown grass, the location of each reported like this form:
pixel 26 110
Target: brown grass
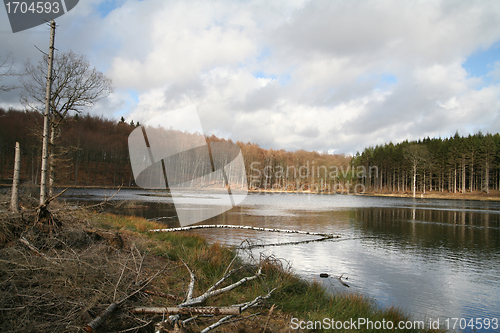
pixel 96 259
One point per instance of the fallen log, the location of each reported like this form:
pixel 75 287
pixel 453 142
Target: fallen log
pixel 213 293
pixel 223 310
pixel 100 319
pixel 252 246
pixel 228 226
pixel 188 306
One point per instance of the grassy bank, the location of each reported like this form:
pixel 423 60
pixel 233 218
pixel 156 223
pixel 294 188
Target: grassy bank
pixel 88 260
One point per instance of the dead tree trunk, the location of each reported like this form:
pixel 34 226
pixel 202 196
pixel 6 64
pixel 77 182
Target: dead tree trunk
pixel 46 116
pixel 215 310
pixel 52 162
pixel 14 202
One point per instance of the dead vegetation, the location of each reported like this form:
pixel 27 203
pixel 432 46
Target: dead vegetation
pixel 59 280
pixel 77 276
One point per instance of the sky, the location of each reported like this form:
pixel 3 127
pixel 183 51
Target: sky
pixel 326 76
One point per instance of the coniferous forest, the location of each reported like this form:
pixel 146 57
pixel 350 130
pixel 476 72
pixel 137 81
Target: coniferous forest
pixel 93 151
pixel 455 164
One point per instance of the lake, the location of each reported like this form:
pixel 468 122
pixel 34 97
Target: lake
pixel 430 258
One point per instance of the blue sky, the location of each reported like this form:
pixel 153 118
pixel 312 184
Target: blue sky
pixel 106 7
pixel 315 75
pixel 481 62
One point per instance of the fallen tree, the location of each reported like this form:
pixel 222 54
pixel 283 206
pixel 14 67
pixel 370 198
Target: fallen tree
pixel 174 322
pixel 246 227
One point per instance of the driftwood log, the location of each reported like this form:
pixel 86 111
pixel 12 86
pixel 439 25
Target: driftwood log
pixel 228 226
pixel 223 310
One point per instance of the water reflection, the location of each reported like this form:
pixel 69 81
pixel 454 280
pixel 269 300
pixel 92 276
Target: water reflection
pixel 471 231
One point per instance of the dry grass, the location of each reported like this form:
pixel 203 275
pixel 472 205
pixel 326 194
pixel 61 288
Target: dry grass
pixel 72 273
pixel 76 273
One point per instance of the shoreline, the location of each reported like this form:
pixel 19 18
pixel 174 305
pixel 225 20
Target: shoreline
pixel 494 195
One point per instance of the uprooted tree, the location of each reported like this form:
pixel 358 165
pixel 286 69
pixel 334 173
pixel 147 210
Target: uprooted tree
pixel 75 86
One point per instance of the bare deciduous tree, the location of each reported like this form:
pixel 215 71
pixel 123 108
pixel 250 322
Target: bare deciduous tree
pixel 415 154
pixel 6 69
pixel 76 85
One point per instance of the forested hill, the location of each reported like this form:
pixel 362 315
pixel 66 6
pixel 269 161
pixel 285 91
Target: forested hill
pixel 89 151
pixel 93 151
pixel 455 164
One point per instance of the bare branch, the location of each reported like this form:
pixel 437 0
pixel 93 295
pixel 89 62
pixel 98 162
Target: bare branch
pixel 7 69
pixel 191 283
pixel 208 294
pixel 34 249
pixel 246 306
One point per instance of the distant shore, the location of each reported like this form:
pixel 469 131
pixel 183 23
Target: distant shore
pixel 494 195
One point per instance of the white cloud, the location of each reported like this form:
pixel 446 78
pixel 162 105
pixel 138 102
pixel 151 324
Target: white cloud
pixel 309 74
pixel 186 42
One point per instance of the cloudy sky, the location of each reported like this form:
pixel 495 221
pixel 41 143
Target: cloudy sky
pixel 331 76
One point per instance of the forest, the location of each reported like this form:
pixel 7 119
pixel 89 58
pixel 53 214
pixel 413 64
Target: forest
pixel 93 151
pixel 456 164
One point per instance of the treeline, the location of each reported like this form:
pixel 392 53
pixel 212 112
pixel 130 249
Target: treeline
pixel 93 151
pixel 456 164
pixel 89 150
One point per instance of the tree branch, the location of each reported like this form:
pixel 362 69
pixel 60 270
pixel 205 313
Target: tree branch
pixel 208 294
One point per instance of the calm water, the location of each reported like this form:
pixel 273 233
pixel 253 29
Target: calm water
pixel 431 258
